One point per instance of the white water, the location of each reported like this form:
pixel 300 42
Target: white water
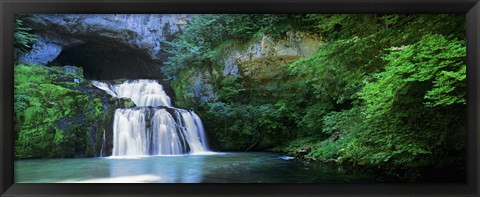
pixel 142 92
pixel 154 127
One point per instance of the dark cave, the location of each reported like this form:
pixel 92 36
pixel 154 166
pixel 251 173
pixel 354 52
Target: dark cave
pixel 107 61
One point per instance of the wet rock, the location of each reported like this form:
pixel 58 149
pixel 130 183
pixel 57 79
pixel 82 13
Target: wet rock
pixel 127 102
pixel 122 102
pixel 301 152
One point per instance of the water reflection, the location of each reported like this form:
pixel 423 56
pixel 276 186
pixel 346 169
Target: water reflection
pixel 216 168
pixel 170 169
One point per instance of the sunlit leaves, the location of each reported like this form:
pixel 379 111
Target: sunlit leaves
pixel 396 91
pixel 434 58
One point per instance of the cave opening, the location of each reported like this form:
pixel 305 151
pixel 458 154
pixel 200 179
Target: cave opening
pixel 109 60
pixel 103 60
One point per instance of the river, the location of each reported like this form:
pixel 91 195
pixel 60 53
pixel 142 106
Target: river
pixel 251 167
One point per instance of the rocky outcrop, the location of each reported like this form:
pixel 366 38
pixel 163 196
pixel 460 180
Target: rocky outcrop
pixel 260 60
pixel 101 39
pixel 252 59
pixel 42 52
pixel 193 85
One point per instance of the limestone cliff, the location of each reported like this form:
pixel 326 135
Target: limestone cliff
pixel 259 60
pixel 97 41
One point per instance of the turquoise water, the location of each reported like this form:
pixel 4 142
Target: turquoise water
pixel 212 168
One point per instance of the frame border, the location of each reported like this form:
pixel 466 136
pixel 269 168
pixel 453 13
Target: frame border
pixel 471 9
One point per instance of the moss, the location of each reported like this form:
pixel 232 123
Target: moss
pixel 51 118
pixel 98 106
pixel 128 103
pixel 182 87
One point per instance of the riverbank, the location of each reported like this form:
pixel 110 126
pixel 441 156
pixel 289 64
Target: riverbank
pixel 304 150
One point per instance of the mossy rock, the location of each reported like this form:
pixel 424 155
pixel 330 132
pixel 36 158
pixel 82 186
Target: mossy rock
pixel 122 102
pixel 128 103
pixel 55 118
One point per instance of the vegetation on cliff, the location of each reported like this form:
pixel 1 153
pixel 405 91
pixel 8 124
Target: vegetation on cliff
pixel 54 116
pixel 384 92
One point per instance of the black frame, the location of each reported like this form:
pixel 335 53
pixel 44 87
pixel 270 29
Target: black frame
pixel 471 8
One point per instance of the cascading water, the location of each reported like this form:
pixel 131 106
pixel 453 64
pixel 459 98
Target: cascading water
pixel 154 127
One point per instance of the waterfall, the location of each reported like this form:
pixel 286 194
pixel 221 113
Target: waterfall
pixel 103 144
pixel 153 127
pixel 142 92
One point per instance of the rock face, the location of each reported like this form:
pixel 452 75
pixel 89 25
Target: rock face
pixel 101 39
pixel 197 85
pixel 260 60
pixel 42 52
pixel 252 59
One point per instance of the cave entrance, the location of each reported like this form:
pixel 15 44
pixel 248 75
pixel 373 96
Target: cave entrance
pixel 107 61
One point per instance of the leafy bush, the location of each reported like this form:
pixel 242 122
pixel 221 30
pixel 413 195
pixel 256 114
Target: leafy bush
pixel 433 59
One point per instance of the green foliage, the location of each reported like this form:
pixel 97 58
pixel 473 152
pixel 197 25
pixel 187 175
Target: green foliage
pixel 327 150
pixel 385 92
pixel 398 87
pixel 98 106
pixel 48 114
pixel 312 121
pixel 411 107
pixel 434 59
pixel 230 89
pixel 241 126
pixel 186 53
pixel 38 105
pixel 24 37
